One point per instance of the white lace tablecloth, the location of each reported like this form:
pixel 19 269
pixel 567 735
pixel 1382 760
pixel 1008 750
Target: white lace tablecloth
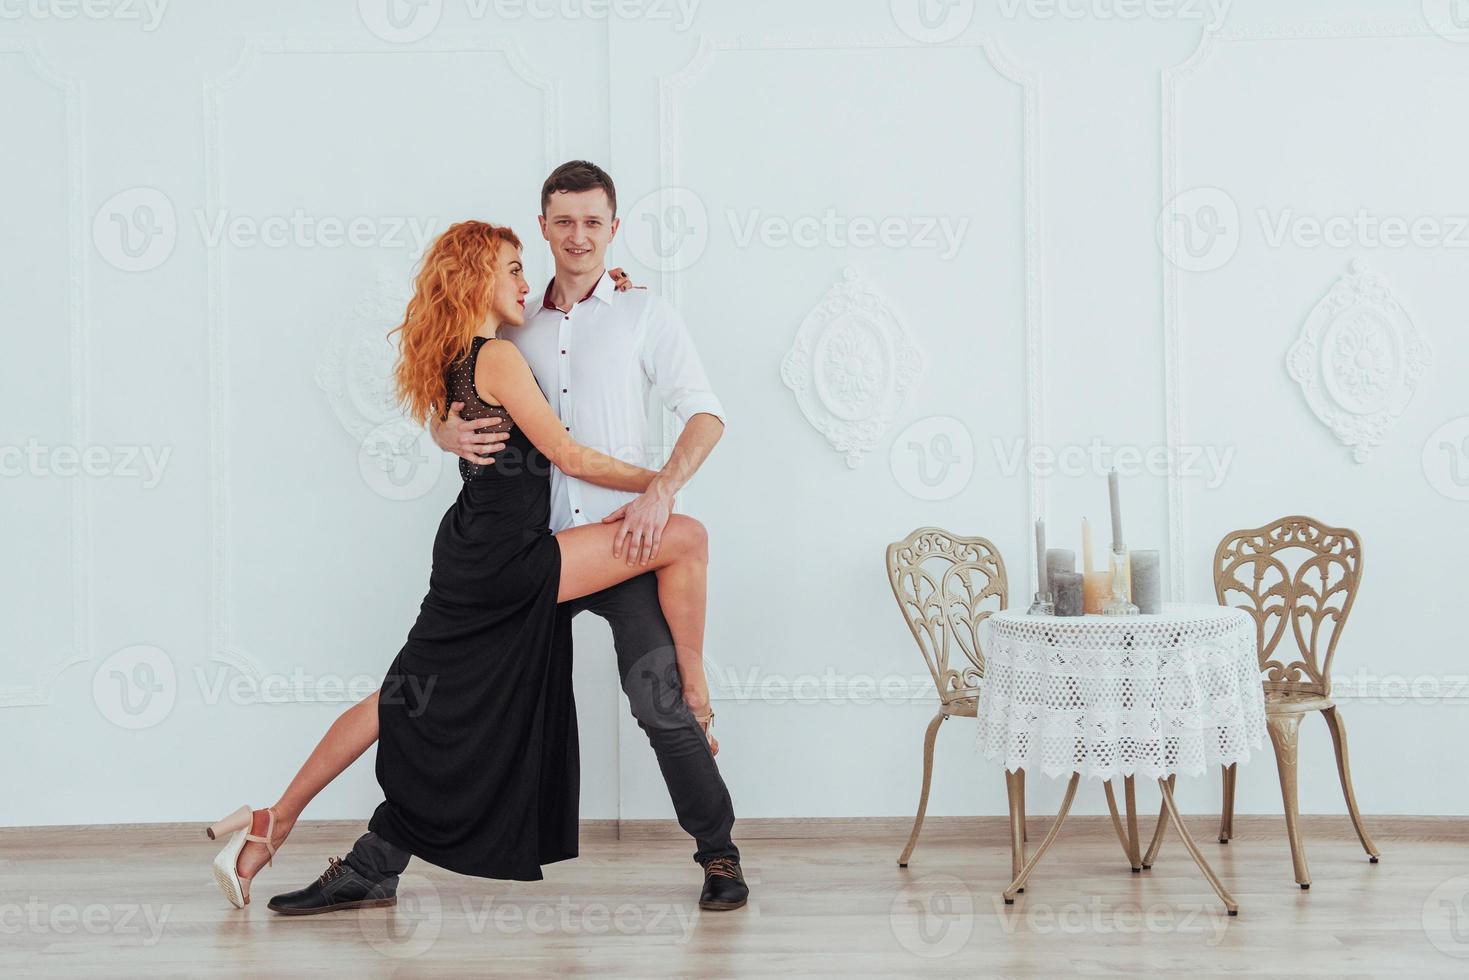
pixel 1175 692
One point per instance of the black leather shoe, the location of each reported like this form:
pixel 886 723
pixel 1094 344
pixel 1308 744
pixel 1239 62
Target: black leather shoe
pixel 339 887
pixel 724 885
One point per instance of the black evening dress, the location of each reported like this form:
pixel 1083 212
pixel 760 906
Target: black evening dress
pixel 477 755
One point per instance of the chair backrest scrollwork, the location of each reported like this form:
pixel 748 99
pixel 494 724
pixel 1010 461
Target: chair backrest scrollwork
pixel 946 585
pixel 1299 572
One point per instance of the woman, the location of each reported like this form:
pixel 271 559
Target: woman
pixel 478 754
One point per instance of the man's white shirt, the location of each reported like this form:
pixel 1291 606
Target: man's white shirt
pixel 597 365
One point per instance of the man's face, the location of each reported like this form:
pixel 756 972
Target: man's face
pixel 579 225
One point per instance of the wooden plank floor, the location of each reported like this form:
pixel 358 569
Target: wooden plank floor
pixel 827 899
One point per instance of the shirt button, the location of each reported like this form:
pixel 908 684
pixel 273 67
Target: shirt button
pixel 563 391
pixel 563 352
pixel 578 510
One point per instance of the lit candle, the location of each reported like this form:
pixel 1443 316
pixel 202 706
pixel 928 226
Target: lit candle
pixel 1116 510
pixel 1086 545
pixel 1040 555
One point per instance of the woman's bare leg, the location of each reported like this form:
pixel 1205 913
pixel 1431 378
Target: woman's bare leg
pixel 682 565
pixel 350 736
pixel 588 565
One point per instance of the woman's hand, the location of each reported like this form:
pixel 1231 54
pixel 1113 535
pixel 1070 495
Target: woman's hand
pixel 696 696
pixel 621 280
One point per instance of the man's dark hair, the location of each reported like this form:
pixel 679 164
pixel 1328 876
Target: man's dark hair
pixel 578 175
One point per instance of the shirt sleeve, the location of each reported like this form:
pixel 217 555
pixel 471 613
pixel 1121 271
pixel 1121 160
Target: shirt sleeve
pixel 673 366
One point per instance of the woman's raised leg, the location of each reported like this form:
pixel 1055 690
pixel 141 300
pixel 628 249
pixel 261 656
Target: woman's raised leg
pixel 588 565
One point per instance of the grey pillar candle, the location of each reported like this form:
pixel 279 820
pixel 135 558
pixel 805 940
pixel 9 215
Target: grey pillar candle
pixel 1147 582
pixel 1059 560
pixel 1067 586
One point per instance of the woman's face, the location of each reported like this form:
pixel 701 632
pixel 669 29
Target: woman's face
pixel 507 305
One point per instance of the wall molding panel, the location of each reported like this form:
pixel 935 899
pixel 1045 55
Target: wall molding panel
pixel 673 89
pixel 80 545
pixel 851 366
pixel 343 389
pixel 1358 360
pixel 1174 81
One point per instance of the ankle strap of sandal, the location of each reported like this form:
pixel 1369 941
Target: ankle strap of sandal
pixel 269 833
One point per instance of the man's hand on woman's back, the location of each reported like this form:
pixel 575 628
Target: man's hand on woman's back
pixel 463 438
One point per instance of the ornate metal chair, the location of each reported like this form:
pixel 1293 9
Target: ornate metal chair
pixel 946 585
pixel 1300 573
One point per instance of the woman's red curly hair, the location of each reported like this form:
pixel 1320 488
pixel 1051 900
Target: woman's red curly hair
pixel 451 298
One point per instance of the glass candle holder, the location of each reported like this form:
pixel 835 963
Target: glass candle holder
pixel 1119 604
pixel 1042 605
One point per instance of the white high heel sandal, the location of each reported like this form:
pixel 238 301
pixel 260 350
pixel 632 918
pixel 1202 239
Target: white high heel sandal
pixel 226 862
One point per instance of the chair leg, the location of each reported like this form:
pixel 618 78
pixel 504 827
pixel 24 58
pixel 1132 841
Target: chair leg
pixel 928 740
pixel 1344 770
pixel 1285 730
pixel 1226 812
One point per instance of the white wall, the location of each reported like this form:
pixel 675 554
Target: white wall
pixel 145 611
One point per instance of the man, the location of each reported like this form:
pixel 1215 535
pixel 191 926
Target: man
pixel 597 354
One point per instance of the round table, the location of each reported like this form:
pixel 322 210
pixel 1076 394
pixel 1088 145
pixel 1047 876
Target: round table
pixel 1108 696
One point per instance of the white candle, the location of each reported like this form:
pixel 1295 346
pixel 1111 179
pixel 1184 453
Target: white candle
pixel 1086 545
pixel 1116 510
pixel 1040 555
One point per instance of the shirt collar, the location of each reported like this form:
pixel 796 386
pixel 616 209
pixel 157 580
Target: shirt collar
pixel 604 289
